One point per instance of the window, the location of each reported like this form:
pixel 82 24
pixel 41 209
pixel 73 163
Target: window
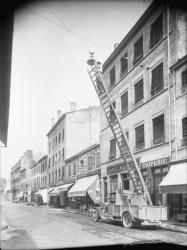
pixel 62 134
pixel 113 183
pixel 59 158
pixel 184 79
pixel 138 89
pixel 139 140
pixel 184 131
pixel 138 50
pixel 127 135
pixel 56 142
pixel 49 147
pixel 156 31
pixel 90 162
pixel 125 181
pixel 74 168
pixel 157 83
pixel 63 154
pixel 158 130
pixel 105 188
pixel 112 77
pixel 55 175
pixel 69 170
pixel 59 172
pixel 97 159
pixel 53 160
pixel 124 103
pixel 62 172
pixel 124 64
pixel 59 138
pixel 112 148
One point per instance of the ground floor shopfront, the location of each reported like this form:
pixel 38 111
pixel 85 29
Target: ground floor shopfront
pixel 117 177
pixel 85 193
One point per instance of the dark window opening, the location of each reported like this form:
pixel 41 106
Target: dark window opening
pixel 124 64
pixel 124 103
pixel 138 50
pixel 156 31
pixel 158 130
pixel 112 77
pixel 125 181
pixel 139 91
pixel 112 148
pixel 184 131
pixel 157 83
pixel 139 140
pixel 184 79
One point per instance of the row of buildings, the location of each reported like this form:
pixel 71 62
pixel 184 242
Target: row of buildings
pixel 146 78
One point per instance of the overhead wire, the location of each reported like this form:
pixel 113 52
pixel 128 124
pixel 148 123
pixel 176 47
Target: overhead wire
pixel 64 27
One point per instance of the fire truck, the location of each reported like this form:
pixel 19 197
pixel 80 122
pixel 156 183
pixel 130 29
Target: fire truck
pixel 131 207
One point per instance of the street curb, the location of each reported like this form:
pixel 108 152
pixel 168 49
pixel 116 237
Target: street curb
pixel 166 227
pixel 174 229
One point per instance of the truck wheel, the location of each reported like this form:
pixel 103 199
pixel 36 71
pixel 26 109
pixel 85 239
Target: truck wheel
pixel 95 215
pixel 127 220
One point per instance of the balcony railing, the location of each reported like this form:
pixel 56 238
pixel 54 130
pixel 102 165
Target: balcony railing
pixel 158 140
pixel 157 90
pixel 139 147
pixel 184 141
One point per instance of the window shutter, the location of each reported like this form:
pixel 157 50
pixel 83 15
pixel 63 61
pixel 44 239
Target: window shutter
pixel 157 79
pixel 158 129
pixel 138 50
pixel 184 127
pixel 124 103
pixel 140 135
pixel 184 78
pixel 139 90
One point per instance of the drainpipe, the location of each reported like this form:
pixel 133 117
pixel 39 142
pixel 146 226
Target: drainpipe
pixel 175 118
pixel 168 74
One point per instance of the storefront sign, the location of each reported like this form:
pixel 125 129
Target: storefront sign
pixel 116 169
pixel 155 163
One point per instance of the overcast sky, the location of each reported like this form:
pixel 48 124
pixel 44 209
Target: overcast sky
pixel 51 42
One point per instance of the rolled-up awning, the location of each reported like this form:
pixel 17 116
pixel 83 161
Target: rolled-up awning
pixel 175 182
pixel 82 185
pixel 60 188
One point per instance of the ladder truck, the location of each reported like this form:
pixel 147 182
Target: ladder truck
pixel 131 207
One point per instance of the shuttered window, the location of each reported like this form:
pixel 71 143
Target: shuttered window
pixel 157 83
pixel 113 148
pixel 74 168
pixel 184 78
pixel 158 130
pixel 90 162
pixel 138 91
pixel 124 103
pixel 139 140
pixel 112 77
pixel 138 50
pixel 156 31
pixel 97 159
pixel 184 127
pixel 124 64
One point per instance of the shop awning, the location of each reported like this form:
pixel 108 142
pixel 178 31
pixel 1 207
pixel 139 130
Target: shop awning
pixel 82 185
pixel 175 182
pixel 43 193
pixel 60 188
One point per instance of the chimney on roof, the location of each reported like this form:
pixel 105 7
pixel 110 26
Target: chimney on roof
pixel 58 114
pixel 73 106
pixel 116 45
pixel 52 121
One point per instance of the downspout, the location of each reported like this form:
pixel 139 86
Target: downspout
pixel 174 106
pixel 168 75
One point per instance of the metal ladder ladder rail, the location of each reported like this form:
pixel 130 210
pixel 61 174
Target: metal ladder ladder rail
pixel 94 78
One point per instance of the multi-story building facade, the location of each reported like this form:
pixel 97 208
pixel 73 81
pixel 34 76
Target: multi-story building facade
pixel 72 132
pixel 26 162
pixel 144 76
pixel 82 167
pixel 2 188
pixel 38 176
pixel 15 180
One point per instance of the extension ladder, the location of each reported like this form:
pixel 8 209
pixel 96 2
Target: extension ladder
pixel 114 123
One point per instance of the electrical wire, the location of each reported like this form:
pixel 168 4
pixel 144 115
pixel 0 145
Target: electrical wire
pixel 66 28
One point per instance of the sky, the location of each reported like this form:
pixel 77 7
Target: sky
pixel 51 44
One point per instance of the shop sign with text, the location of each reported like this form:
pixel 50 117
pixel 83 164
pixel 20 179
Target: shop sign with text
pixel 155 163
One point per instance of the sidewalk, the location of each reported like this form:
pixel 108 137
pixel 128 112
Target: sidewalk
pixel 3 223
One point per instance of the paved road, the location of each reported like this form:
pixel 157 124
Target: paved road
pixel 37 227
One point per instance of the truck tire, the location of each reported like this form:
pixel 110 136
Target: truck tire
pixel 127 220
pixel 95 215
